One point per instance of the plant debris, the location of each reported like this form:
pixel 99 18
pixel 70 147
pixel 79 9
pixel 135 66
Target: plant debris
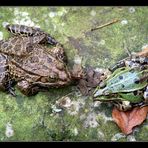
pixel 129 119
pixel 143 53
pixel 107 24
pixel 92 78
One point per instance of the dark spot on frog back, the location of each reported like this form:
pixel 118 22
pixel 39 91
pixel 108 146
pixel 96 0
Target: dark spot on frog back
pixel 29 48
pixel 44 67
pixel 17 47
pixel 122 85
pixel 34 59
pixel 120 77
pixel 49 60
pixel 136 81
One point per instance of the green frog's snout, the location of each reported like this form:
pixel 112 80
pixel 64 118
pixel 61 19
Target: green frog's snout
pixel 97 93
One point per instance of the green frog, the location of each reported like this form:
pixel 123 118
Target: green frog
pixel 127 86
pixel 31 65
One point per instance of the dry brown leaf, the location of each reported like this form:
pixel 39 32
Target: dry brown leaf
pixel 88 83
pixel 77 71
pixel 129 119
pixel 143 53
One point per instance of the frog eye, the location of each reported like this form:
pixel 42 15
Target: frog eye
pixel 51 79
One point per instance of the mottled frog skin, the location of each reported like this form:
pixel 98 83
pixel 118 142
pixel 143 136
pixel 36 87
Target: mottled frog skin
pixel 33 66
pixel 22 30
pixel 128 84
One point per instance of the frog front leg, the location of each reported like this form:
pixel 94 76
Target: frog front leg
pixel 29 89
pixel 26 88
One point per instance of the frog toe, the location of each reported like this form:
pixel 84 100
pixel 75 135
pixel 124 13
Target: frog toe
pixel 12 92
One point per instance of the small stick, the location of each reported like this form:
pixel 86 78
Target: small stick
pixel 107 24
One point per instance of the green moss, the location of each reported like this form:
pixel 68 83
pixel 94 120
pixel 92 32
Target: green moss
pixel 142 135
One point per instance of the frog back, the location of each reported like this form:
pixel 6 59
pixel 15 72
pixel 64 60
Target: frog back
pixel 41 62
pixel 19 46
pixel 127 81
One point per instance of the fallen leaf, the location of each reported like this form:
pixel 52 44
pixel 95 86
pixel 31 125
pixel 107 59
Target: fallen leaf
pixel 143 53
pixel 77 72
pixel 129 119
pixel 83 87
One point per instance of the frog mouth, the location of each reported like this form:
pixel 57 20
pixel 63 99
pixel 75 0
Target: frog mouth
pixel 101 92
pixel 98 93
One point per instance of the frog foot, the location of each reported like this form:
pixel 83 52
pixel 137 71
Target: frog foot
pixel 26 88
pixel 10 89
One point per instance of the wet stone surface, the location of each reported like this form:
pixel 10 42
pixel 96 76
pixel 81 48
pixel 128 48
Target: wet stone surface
pixel 65 114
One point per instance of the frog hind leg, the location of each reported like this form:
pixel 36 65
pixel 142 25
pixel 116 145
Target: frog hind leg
pixel 45 39
pixel 143 103
pixel 141 60
pixel 137 62
pixel 51 40
pixel 22 30
pixel 117 65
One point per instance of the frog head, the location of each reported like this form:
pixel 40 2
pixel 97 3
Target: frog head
pixel 103 94
pixel 59 74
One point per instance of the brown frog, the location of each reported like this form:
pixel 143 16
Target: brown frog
pixel 33 66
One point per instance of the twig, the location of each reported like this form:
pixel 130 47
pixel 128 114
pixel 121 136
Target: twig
pixel 104 25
